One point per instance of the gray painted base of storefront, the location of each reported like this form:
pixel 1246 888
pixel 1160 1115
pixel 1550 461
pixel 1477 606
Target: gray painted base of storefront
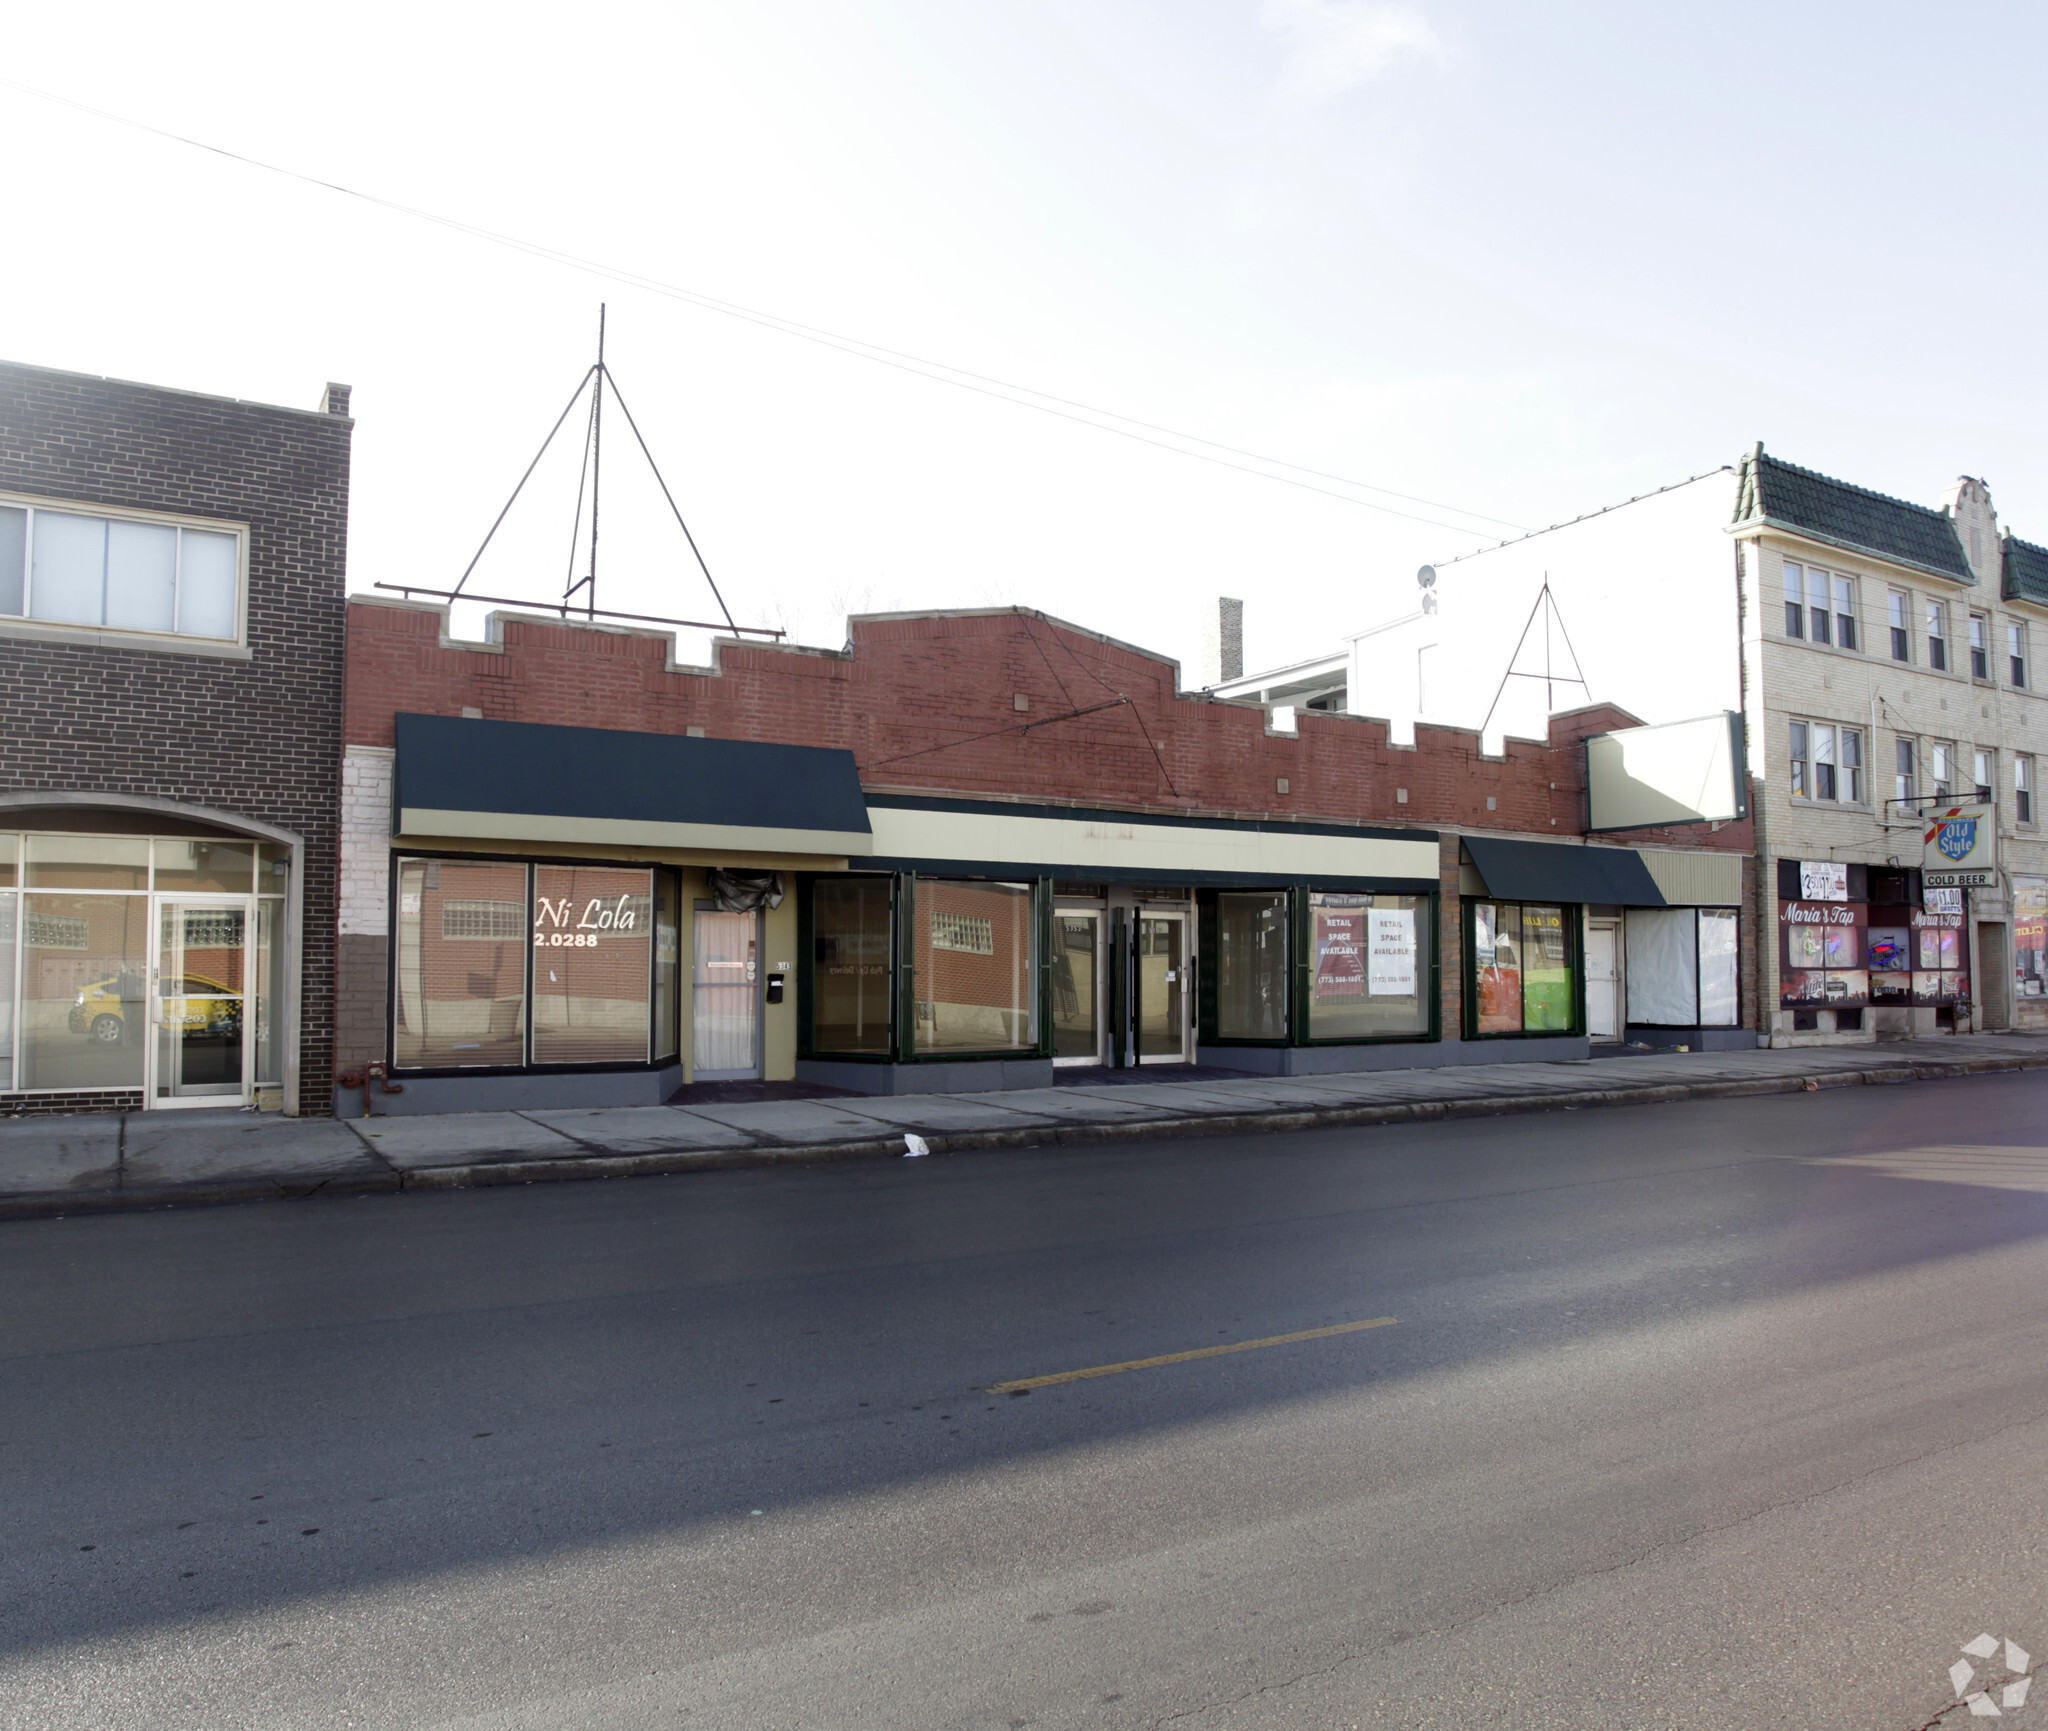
pixel 1418 1055
pixel 983 1076
pixel 1695 1039
pixel 424 1094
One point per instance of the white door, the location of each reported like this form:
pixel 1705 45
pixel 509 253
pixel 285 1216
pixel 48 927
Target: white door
pixel 201 1034
pixel 725 997
pixel 1603 980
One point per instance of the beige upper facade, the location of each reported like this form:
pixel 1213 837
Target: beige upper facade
pixel 1929 694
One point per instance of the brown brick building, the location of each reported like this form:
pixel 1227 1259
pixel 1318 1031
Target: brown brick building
pixel 171 639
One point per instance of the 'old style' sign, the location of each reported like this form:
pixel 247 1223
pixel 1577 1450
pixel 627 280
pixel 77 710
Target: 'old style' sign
pixel 1961 847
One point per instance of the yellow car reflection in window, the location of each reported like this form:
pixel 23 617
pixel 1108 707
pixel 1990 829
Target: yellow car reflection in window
pixel 99 1011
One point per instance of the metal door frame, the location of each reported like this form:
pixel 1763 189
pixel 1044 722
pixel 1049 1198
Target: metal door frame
pixel 1103 1033
pixel 1185 917
pixel 246 906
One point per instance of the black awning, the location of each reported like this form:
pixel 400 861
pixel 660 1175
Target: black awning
pixel 1546 871
pixel 450 768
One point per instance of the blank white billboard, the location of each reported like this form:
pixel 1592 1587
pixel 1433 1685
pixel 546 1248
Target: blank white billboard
pixel 1681 772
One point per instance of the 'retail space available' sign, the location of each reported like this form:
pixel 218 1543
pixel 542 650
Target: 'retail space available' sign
pixel 1961 847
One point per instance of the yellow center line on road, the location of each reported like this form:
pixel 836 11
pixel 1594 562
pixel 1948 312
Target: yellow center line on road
pixel 1026 1382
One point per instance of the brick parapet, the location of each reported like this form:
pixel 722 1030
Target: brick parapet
pixel 928 703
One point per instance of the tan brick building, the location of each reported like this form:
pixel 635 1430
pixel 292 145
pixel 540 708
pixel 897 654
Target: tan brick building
pixel 1888 666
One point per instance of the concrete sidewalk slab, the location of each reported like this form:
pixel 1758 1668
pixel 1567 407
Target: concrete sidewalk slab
pixel 1072 1105
pixel 174 1150
pixel 1289 1093
pixel 461 1139
pixel 795 1121
pixel 1175 1098
pixel 641 1129
pixel 39 1155
pixel 940 1112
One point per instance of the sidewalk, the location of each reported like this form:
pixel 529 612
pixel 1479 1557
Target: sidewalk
pixel 151 1159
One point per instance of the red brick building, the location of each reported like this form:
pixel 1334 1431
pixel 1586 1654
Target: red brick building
pixel 963 849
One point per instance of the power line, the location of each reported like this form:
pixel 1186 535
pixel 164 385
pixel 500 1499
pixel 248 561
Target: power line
pixel 939 372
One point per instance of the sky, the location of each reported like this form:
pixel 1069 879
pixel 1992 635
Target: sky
pixel 1504 263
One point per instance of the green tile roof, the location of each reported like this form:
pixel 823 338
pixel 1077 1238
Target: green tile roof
pixel 2026 572
pixel 1852 518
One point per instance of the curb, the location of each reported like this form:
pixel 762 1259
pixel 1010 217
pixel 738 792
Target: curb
pixel 480 1174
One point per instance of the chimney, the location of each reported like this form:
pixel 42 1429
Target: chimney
pixel 335 401
pixel 1224 651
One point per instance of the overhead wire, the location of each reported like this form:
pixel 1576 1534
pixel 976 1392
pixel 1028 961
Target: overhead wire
pixel 939 372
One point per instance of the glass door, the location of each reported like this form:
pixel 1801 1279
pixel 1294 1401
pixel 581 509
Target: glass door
pixel 199 991
pixel 1161 981
pixel 725 996
pixel 1077 986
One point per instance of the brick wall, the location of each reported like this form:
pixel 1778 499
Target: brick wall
pixel 261 736
pixel 927 703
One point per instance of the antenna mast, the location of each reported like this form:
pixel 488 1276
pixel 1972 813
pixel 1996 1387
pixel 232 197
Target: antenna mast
pixel 589 477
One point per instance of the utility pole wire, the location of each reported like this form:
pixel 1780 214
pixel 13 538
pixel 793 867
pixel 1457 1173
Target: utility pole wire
pixel 939 372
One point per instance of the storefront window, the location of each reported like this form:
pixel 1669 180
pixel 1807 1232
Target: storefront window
pixel 207 867
pixel 1941 959
pixel 1497 967
pixel 1251 965
pixel 1682 967
pixel 88 862
pixel 1075 996
pixel 593 935
pixel 1720 968
pixel 1370 972
pixel 1546 971
pixel 850 972
pixel 269 990
pixel 974 955
pixel 667 964
pixel 460 964
pixel 2030 937
pixel 1523 961
pixel 10 913
pixel 1824 959
pixel 84 986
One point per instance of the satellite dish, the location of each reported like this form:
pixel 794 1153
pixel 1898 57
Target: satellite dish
pixel 1426 577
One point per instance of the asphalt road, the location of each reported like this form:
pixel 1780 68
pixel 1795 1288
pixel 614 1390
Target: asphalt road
pixel 1728 1414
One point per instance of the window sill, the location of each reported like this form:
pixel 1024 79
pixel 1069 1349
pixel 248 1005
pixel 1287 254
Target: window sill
pixel 1835 649
pixel 1804 803
pixel 93 637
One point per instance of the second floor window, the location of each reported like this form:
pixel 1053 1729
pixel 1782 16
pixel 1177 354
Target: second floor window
pixel 1795 601
pixel 1902 637
pixel 1904 782
pixel 1985 775
pixel 2023 788
pixel 1980 647
pixel 118 573
pixel 1827 762
pixel 1941 762
pixel 1820 606
pixel 2016 651
pixel 1937 635
pixel 1845 611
